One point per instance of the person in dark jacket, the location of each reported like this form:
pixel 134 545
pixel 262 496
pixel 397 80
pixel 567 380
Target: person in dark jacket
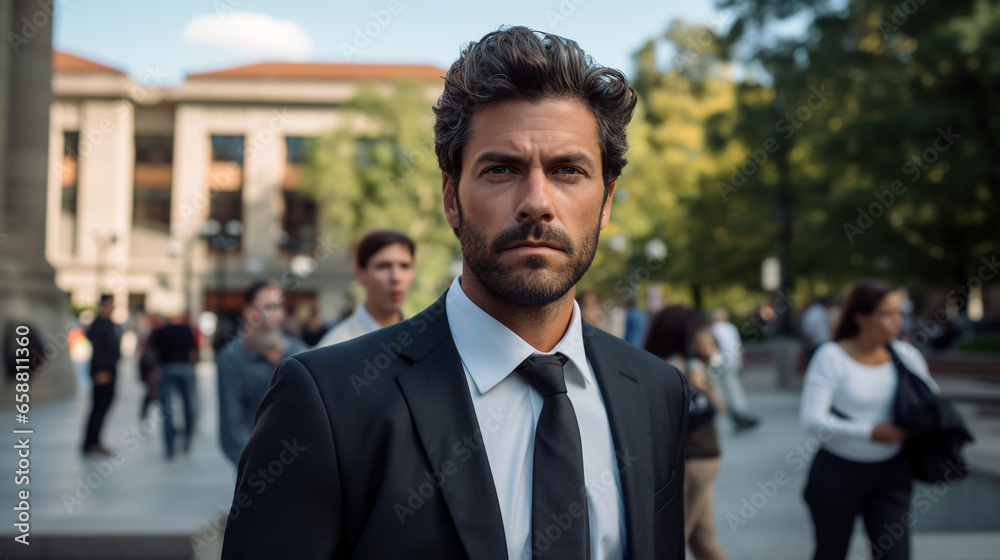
pixel 106 342
pixel 176 354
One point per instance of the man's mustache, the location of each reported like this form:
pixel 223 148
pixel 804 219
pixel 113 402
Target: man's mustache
pixel 535 232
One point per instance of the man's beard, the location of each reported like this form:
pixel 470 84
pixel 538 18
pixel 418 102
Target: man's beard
pixel 531 287
pixel 263 337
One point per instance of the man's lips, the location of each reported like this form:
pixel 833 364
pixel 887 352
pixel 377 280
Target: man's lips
pixel 531 247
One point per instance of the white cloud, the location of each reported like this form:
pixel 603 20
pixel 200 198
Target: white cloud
pixel 255 35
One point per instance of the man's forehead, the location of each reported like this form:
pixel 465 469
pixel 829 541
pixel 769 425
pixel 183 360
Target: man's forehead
pixel 510 123
pixel 391 252
pixel 268 294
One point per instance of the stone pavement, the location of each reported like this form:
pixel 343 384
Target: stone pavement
pixel 151 505
pixel 759 509
pixel 146 507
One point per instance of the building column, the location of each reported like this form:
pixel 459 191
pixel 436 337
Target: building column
pixel 104 207
pixel 190 199
pixel 29 297
pixel 263 165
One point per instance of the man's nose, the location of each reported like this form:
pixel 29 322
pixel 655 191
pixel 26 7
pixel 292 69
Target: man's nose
pixel 535 204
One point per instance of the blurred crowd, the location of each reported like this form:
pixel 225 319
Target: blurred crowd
pixel 706 345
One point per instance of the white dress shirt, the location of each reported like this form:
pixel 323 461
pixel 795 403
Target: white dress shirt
pixel 861 392
pixel 359 322
pixel 508 408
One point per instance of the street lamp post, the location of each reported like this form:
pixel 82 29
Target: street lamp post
pixel 222 240
pixel 103 242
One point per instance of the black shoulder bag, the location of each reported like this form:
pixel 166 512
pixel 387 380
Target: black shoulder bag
pixel 936 430
pixel 700 408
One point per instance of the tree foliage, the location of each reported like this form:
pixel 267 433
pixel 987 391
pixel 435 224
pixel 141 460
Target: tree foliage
pixel 896 175
pixel 377 170
pixel 864 146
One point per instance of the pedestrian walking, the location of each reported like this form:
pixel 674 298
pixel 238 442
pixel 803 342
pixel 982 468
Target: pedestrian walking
pixel 176 355
pixel 847 403
pixel 676 335
pixel 105 339
pixel 246 364
pixel 730 370
pixel 816 326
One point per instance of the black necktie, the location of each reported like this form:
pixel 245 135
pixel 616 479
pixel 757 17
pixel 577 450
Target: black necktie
pixel 560 525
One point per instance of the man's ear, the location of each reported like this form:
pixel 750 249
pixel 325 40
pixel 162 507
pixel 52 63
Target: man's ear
pixel 358 272
pixel 450 196
pixel 606 212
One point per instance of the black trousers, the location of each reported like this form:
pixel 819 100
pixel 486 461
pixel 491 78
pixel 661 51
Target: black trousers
pixel 101 402
pixel 838 490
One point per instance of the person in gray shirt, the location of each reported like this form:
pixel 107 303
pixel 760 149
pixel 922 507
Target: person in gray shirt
pixel 246 364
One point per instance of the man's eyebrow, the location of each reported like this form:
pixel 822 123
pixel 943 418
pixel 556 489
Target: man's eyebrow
pixel 501 157
pixel 496 157
pixel 574 157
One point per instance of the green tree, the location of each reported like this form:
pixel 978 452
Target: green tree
pixel 378 170
pixel 872 193
pixel 681 142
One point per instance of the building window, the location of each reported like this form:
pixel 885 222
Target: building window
pixel 154 149
pixel 298 225
pixel 297 148
pixel 226 207
pixel 152 182
pixel 68 181
pixel 227 148
pixel 226 186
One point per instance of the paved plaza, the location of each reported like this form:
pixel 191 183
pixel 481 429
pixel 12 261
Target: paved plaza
pixel 146 507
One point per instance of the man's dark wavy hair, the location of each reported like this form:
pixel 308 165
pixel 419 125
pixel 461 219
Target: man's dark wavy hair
pixel 516 62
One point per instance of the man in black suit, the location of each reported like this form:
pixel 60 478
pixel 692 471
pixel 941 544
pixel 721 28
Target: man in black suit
pixel 496 423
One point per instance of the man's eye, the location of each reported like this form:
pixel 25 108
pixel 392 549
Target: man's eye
pixel 495 170
pixel 567 170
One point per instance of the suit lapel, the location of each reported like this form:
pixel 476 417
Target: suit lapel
pixel 437 394
pixel 628 415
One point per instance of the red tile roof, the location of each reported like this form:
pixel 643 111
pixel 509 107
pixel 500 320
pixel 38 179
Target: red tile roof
pixel 65 62
pixel 326 71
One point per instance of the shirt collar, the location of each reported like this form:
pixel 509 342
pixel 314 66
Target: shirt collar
pixel 365 319
pixel 491 351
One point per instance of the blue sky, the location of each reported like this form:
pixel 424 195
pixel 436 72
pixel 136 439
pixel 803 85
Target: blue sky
pixel 173 39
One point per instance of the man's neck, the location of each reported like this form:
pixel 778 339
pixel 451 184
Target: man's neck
pixel 383 318
pixel 540 326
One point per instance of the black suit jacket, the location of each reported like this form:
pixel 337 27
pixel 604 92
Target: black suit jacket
pixel 371 449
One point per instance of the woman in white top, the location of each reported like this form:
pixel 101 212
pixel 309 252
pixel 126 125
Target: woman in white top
pixel 847 403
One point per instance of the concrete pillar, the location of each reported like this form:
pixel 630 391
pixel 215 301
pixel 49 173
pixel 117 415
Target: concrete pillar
pixel 190 202
pixel 106 168
pixel 29 296
pixel 263 166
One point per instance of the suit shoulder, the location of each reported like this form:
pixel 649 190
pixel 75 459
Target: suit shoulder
pixel 637 361
pixel 366 345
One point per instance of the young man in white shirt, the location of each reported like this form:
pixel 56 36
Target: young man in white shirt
pixel 384 266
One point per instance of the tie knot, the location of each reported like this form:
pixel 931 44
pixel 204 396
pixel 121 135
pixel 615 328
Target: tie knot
pixel 544 373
